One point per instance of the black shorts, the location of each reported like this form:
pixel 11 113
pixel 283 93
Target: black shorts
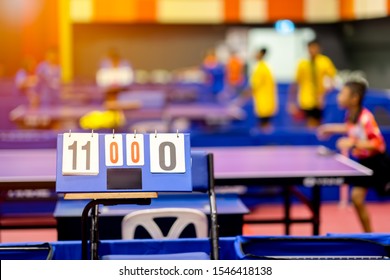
pixel 380 165
pixel 263 121
pixel 315 113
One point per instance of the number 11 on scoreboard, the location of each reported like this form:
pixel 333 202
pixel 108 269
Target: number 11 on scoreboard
pixel 80 154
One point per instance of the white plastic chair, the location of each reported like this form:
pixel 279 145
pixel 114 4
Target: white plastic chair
pixel 202 181
pixel 146 219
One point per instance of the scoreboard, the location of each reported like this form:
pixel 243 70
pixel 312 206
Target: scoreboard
pixel 92 162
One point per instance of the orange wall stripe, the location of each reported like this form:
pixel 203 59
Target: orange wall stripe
pixel 282 9
pixel 115 10
pixel 347 9
pixel 29 36
pixel 52 29
pixel 388 7
pixel 232 10
pixel 39 28
pixel 147 11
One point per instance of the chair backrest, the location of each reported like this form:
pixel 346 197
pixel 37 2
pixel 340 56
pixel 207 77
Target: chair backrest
pixel 200 172
pixel 147 219
pixel 202 181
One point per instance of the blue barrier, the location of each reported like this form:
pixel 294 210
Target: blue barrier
pixel 329 247
pixel 231 248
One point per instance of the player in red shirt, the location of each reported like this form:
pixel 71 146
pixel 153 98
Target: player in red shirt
pixel 364 142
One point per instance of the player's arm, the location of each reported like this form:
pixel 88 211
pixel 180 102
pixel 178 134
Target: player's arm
pixel 246 94
pixel 255 81
pixel 293 92
pixel 326 130
pixel 242 99
pixel 331 72
pixel 366 145
pixel 347 143
pixel 21 81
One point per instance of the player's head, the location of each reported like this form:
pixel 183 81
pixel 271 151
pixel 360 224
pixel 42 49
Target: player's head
pixel 211 52
pixel 261 53
pixel 114 56
pixel 51 55
pixel 28 64
pixel 233 52
pixel 352 94
pixel 314 48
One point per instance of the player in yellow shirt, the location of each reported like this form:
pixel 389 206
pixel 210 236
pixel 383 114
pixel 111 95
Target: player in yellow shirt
pixel 311 77
pixel 263 91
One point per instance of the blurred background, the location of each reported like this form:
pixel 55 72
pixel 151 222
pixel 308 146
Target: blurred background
pixel 165 42
pixel 169 34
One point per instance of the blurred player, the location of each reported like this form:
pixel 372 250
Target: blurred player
pixel 364 142
pixel 49 78
pixel 114 75
pixel 214 72
pixel 263 91
pixel 235 75
pixel 310 84
pixel 26 81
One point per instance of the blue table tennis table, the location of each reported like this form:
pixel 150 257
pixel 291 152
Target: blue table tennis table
pixel 287 166
pixel 27 188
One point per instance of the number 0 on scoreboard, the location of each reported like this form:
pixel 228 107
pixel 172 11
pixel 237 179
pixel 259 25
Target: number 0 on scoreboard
pixel 167 153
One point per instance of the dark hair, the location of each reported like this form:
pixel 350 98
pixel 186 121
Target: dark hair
pixel 313 42
pixel 263 51
pixel 357 88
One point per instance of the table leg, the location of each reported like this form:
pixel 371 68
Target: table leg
pixel 316 202
pixel 287 209
pixel 95 232
pixel 214 233
pixel 84 232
